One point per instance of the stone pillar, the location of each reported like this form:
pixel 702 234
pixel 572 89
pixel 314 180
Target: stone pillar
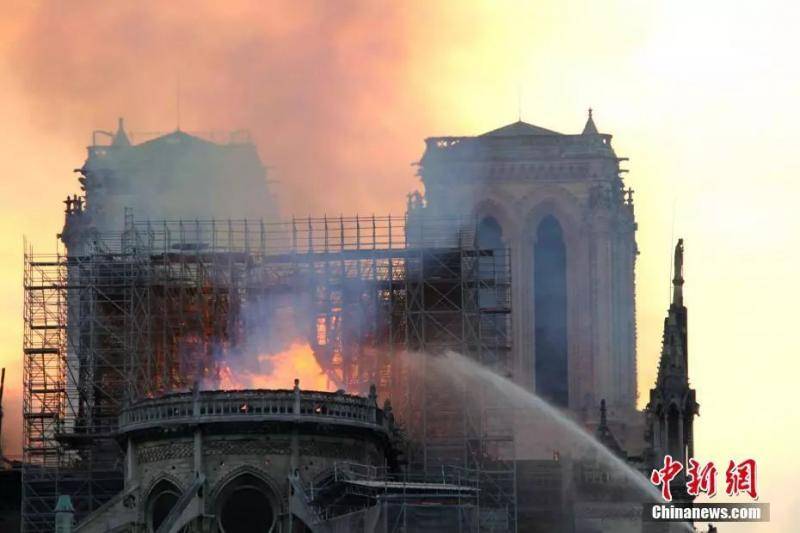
pixel 294 460
pixel 523 317
pixel 198 451
pixel 296 405
pixel 198 433
pixel 130 462
pixel 657 434
pixel 294 463
pixel 373 405
pixel 628 302
pixel 580 324
pixel 602 311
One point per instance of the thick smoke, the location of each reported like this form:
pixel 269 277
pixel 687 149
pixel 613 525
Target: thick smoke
pixel 274 346
pixel 291 332
pixel 317 84
pixel 337 96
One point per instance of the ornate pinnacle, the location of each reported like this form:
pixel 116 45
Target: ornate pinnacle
pixel 677 281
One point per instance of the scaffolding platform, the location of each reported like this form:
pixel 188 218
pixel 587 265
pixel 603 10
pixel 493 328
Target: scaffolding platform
pixel 147 310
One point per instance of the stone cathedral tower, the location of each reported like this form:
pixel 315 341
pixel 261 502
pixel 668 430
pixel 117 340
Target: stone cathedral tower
pixel 673 403
pixel 558 202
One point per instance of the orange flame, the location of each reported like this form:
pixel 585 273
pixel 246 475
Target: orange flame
pixel 298 361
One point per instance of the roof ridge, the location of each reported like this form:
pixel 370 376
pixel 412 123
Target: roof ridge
pixel 518 129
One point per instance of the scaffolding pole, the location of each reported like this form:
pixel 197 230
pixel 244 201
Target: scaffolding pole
pixel 150 309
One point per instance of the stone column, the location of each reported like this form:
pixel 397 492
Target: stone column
pixel 130 462
pixel 682 451
pixel 294 463
pixel 198 451
pixel 198 433
pixel 522 317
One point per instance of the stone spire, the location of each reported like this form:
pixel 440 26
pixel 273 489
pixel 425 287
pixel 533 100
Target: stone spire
pixel 590 128
pixel 603 414
pixel 677 280
pixel 672 407
pixel 120 137
pixel 604 434
pixel 674 344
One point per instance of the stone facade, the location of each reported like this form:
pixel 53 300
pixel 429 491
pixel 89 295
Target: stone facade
pixel 191 456
pixel 176 175
pixel 520 178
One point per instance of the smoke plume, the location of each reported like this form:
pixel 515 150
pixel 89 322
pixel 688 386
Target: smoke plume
pixel 318 85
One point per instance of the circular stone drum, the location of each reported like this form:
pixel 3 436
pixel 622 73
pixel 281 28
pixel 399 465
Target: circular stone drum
pixel 230 461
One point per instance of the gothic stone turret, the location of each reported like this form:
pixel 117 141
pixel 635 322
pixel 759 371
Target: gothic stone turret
pixel 672 406
pixel 173 176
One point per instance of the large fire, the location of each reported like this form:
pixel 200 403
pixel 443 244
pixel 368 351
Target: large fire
pixel 278 371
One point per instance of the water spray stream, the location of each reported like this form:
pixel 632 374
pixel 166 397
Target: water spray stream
pixel 458 368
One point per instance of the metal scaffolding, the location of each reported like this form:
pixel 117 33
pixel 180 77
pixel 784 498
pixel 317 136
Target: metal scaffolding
pixel 150 309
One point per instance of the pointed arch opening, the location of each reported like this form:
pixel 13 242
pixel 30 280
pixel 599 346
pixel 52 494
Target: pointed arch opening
pixel 550 312
pixel 489 234
pixel 493 264
pixel 674 444
pixel 246 504
pixel 162 498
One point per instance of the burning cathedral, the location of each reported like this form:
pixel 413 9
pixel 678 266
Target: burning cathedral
pixel 193 363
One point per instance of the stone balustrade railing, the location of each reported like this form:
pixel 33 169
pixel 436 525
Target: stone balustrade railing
pixel 203 407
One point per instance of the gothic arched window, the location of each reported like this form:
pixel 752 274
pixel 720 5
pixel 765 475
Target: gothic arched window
pixel 550 311
pixel 489 240
pixel 161 500
pixel 489 234
pixel 674 446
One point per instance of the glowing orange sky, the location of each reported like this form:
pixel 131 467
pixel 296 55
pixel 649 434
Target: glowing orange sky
pixel 339 96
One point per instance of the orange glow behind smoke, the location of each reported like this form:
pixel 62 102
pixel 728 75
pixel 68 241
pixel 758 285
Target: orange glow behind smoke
pixel 279 372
